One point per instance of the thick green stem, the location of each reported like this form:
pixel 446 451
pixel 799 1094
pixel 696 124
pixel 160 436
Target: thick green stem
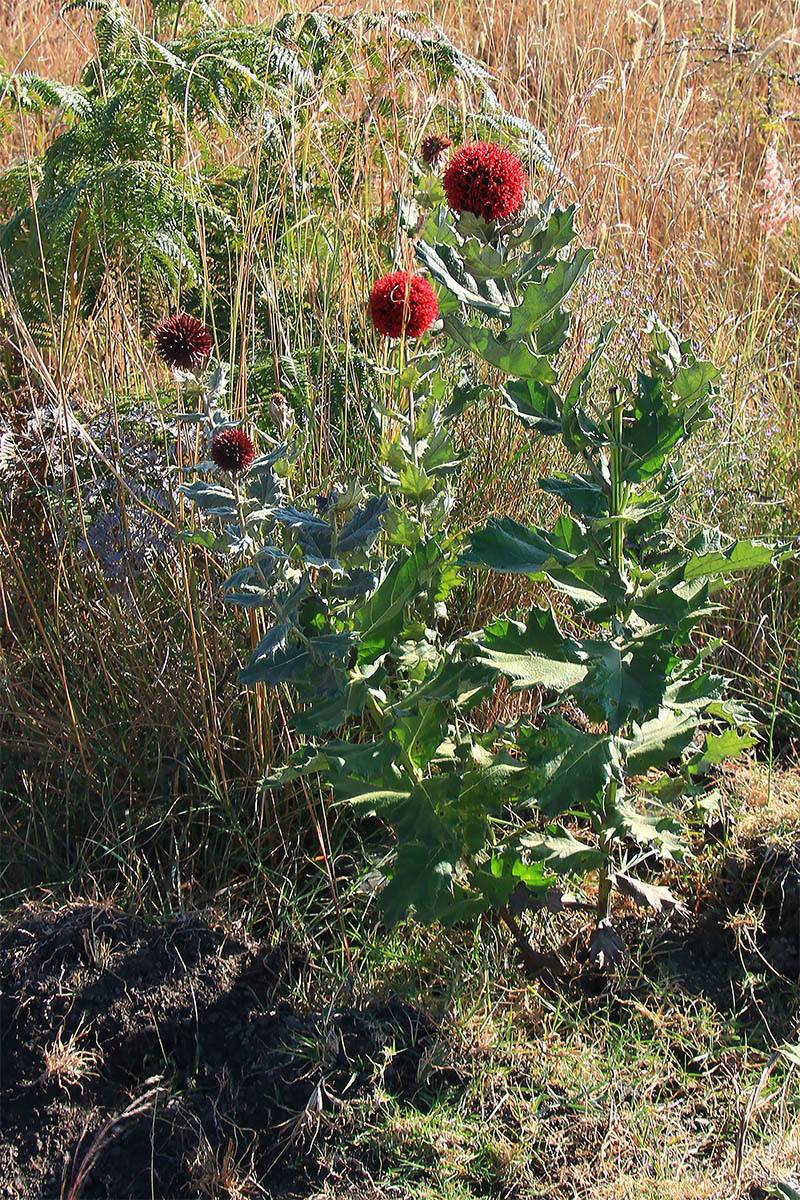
pixel 617 499
pixel 402 362
pixel 605 882
pixel 239 506
pixel 605 877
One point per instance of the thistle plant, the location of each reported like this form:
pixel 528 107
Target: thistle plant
pixel 419 760
pixel 630 716
pixel 647 716
pixel 626 716
pixel 302 565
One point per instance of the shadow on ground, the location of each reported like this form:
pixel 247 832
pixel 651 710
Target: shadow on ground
pixel 176 1060
pixel 100 1009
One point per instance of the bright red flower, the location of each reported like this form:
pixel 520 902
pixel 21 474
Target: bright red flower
pixel 182 341
pixel 485 179
pixel 232 450
pixel 401 301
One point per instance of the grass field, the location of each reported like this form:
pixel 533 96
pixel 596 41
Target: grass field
pixel 130 758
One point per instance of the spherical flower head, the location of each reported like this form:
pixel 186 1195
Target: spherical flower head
pixel 232 450
pixel 182 341
pixel 485 179
pixel 403 303
pixel 432 149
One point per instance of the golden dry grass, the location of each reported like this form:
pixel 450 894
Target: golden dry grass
pixel 767 803
pixel 659 114
pixel 67 1062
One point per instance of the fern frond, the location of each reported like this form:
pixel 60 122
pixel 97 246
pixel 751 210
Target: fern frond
pixel 53 94
pixel 530 140
pixel 19 184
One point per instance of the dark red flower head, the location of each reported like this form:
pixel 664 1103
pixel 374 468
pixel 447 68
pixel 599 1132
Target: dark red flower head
pixel 485 179
pixel 182 341
pixel 401 295
pixel 432 149
pixel 232 450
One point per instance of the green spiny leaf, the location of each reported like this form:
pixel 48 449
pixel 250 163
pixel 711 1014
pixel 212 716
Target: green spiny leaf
pixel 562 852
pixel 570 768
pixel 531 655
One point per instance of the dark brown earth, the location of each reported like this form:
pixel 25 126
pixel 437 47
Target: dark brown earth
pixel 173 1059
pixel 195 1025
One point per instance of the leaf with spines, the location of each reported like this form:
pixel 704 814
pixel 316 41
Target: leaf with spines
pixel 648 825
pixel 660 740
pixel 541 300
pixel 711 559
pixel 214 498
pixel 563 853
pixel 507 545
pixel 538 405
pixel 510 356
pixel 720 747
pixel 323 714
pixel 627 676
pixel 361 531
pixel 570 769
pixel 532 655
pixel 421 732
pixel 562 557
pixel 276 666
pixel 463 684
pixel 381 618
pixel 581 492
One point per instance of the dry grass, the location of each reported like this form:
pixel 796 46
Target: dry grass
pixel 660 115
pixel 767 804
pixel 67 1062
pixel 223 1176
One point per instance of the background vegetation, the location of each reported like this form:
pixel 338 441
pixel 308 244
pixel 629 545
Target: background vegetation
pixel 659 119
pixel 129 756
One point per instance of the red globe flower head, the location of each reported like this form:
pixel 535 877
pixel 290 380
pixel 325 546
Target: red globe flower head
pixel 485 179
pixel 401 302
pixel 182 341
pixel 432 149
pixel 232 450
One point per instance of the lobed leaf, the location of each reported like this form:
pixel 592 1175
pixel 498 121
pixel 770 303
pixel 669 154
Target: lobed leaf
pixel 563 853
pixel 569 768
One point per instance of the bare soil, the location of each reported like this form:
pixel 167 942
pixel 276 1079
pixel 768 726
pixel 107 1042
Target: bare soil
pixel 198 1024
pixel 175 1060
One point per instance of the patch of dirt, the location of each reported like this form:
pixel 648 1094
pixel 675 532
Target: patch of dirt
pixel 168 1062
pixel 753 933
pixel 175 1060
pixel 739 948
